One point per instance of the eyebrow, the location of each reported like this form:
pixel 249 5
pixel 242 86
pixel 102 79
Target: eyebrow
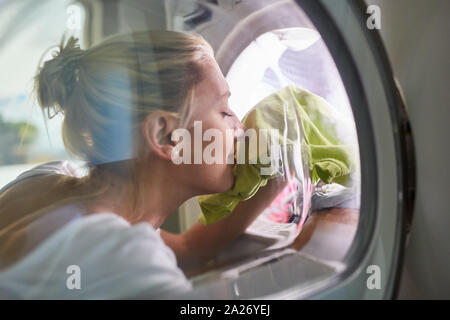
pixel 228 93
pixel 219 98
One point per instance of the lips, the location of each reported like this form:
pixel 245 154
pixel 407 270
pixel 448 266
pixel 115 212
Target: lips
pixel 230 158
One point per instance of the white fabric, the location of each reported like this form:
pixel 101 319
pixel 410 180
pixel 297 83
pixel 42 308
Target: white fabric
pixel 116 260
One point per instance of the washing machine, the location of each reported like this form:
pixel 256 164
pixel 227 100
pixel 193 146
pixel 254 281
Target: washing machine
pixel 384 66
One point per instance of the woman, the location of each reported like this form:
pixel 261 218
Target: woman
pixel 98 236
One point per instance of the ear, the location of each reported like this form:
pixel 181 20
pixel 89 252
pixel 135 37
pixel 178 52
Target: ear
pixel 157 128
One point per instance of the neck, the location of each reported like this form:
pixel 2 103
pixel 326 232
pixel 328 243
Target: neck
pixel 159 194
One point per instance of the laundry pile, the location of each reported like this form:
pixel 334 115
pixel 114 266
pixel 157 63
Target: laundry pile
pixel 307 133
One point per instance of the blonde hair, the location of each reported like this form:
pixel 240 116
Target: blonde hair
pixel 106 91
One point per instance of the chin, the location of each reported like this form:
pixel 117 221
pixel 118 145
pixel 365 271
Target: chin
pixel 228 179
pixel 227 186
pixel 223 183
pixel 217 181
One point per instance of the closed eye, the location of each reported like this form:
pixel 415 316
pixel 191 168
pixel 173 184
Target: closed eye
pixel 226 114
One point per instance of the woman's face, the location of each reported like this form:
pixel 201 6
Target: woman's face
pixel 210 109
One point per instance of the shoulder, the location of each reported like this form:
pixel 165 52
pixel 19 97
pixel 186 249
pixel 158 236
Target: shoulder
pixel 114 260
pixel 109 231
pixel 48 169
pixel 121 260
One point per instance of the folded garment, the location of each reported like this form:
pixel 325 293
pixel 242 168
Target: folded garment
pixel 343 198
pixel 306 126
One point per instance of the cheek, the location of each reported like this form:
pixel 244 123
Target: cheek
pixel 223 139
pixel 214 177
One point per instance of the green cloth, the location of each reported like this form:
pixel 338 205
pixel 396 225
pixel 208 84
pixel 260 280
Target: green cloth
pixel 329 159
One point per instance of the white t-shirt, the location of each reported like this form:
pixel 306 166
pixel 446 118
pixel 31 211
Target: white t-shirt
pixel 102 254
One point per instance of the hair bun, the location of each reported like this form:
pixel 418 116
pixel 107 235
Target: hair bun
pixel 57 78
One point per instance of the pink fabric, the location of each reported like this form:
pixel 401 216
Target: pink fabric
pixel 279 207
